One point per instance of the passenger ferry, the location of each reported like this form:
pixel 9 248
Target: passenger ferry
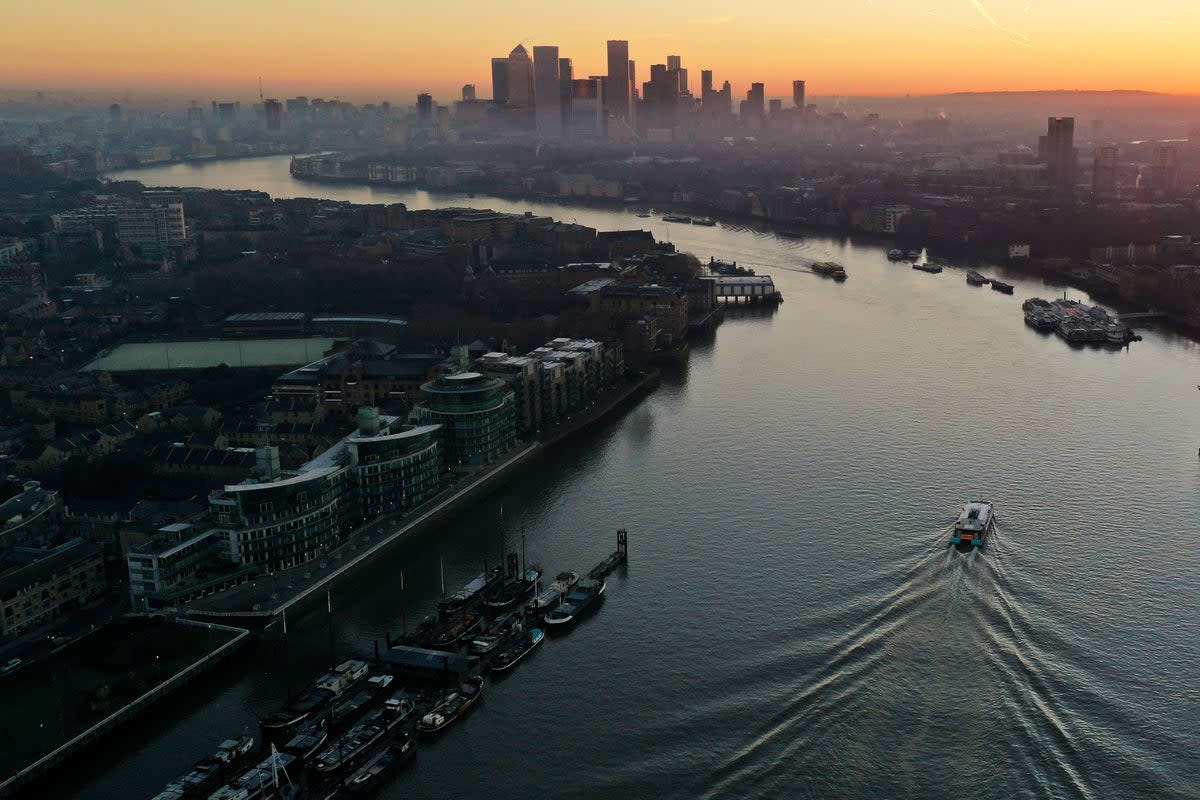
pixel 974 523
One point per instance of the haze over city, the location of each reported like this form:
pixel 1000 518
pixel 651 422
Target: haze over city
pixel 368 49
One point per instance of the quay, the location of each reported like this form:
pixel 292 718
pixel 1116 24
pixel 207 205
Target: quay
pixel 267 597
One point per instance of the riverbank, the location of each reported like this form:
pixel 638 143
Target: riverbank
pixel 260 601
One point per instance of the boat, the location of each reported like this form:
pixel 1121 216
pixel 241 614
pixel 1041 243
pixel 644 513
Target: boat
pixel 931 268
pixel 1001 286
pixel 974 523
pixel 376 772
pixel 830 269
pixel 282 724
pixel 976 279
pixel 480 584
pixel 232 751
pixel 421 635
pixel 262 781
pixel 400 705
pixel 550 596
pixel 306 744
pixel 581 599
pixel 707 222
pixel 354 743
pixel 1117 334
pixel 514 589
pixel 644 214
pixel 895 255
pixel 482 645
pixel 209 773
pixel 517 648
pixel 676 218
pixel 457 630
pixel 452 707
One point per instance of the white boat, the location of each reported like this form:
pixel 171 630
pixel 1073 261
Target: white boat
pixel 550 596
pixel 974 523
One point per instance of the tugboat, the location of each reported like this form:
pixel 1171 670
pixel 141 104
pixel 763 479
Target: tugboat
pixel 1001 286
pixel 517 649
pixel 579 601
pixel 975 279
pixel 375 772
pixel 830 269
pixel 453 706
pixel 974 523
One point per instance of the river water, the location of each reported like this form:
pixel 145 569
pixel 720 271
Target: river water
pixel 791 624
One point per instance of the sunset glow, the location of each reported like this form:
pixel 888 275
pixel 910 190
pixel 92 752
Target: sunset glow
pixel 372 49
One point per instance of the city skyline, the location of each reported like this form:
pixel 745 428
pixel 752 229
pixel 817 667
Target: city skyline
pixel 860 49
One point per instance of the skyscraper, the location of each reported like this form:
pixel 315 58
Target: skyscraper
pixel 755 103
pixel 617 87
pixel 273 115
pixel 520 78
pixel 706 84
pixel 1164 169
pixel 1060 152
pixel 798 95
pixel 547 92
pixel 1104 169
pixel 424 106
pixel 586 110
pixel 468 92
pixel 675 64
pixel 500 81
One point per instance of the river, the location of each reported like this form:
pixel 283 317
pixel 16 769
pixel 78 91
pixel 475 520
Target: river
pixel 791 624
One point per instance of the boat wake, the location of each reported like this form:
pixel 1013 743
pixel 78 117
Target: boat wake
pixel 861 708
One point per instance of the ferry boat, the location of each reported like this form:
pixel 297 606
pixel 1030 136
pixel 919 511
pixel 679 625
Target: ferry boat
pixel 480 584
pixel 376 772
pixel 974 523
pixel 518 648
pixel 549 597
pixel 976 279
pixel 830 269
pixel 707 222
pixel 676 218
pixel 1001 286
pixel 579 601
pixel 931 268
pixel 452 707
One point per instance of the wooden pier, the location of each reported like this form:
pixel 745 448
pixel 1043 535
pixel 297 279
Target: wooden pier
pixel 615 559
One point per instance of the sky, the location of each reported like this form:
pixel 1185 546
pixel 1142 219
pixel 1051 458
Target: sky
pixel 390 49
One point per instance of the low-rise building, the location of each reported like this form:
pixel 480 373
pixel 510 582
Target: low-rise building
pixel 39 584
pixel 32 517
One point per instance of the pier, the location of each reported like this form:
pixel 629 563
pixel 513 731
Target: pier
pixel 745 288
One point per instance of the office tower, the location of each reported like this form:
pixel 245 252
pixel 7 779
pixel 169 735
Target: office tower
pixel 424 106
pixel 500 81
pixel 1164 169
pixel 520 78
pixel 273 115
pixel 566 81
pixel 1104 169
pixel 617 96
pixel 706 84
pixel 798 95
pixel 755 103
pixel 547 93
pixel 468 92
pixel 1059 152
pixel 585 114
pixel 675 64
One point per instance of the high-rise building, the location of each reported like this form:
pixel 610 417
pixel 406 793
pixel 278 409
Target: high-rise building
pixel 468 92
pixel 776 107
pixel 425 106
pixel 618 97
pixel 798 95
pixel 566 81
pixel 520 78
pixel 1164 169
pixel 273 115
pixel 500 81
pixel 755 103
pixel 1059 152
pixel 706 84
pixel 675 64
pixel 547 93
pixel 1104 169
pixel 585 113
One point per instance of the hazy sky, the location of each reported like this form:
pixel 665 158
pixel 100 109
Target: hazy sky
pixel 388 49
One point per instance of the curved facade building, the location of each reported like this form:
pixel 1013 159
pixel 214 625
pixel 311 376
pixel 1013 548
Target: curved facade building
pixel 285 522
pixel 395 471
pixel 477 414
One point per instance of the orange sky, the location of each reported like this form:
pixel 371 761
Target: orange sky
pixel 385 49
